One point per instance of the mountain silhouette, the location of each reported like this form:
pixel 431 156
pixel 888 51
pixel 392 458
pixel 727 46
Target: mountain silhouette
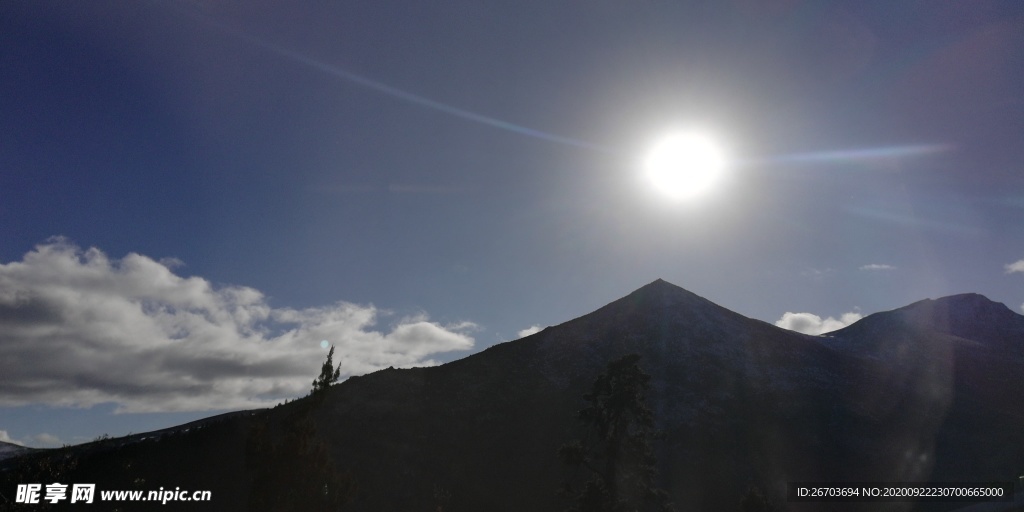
pixel 928 392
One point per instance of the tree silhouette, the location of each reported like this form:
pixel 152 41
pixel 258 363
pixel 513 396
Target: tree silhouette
pixel 295 473
pixel 290 462
pixel 618 455
pixel 328 375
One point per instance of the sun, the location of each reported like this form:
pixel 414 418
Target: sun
pixel 684 165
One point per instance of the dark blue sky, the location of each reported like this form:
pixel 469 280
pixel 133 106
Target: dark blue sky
pixel 461 171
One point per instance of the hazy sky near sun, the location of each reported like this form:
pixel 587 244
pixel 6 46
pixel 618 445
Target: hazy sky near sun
pixel 194 194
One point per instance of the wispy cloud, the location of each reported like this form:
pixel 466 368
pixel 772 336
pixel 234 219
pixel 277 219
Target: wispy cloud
pixel 78 328
pixel 816 274
pixel 1017 266
pixel 45 440
pixel 809 323
pixel 877 266
pixel 533 329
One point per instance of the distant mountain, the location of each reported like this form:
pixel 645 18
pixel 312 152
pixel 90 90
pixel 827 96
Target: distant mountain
pixel 931 391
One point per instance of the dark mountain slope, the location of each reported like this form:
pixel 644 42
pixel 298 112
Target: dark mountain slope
pixel 741 401
pixel 940 381
pixel 931 390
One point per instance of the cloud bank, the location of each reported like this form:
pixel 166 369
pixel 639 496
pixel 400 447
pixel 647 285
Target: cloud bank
pixel 809 323
pixel 78 328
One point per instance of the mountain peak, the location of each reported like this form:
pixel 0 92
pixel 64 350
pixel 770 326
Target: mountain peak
pixel 661 301
pixel 958 308
pixel 657 284
pixel 662 289
pixel 967 315
pixel 971 299
pixel 661 295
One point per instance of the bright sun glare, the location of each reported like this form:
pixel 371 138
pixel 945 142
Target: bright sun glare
pixel 684 165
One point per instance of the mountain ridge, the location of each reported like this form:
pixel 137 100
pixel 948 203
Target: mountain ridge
pixel 741 403
pixel 968 316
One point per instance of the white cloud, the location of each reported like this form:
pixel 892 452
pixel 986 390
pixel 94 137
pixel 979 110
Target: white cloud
pixel 1017 266
pixel 533 329
pixel 6 438
pixel 877 266
pixel 809 323
pixel 79 329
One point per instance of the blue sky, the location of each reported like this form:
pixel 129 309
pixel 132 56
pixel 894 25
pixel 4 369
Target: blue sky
pixel 194 195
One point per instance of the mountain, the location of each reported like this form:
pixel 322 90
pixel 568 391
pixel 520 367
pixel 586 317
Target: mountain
pixel 8 450
pixel 958 361
pixel 931 391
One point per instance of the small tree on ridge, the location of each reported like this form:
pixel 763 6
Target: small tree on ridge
pixel 328 376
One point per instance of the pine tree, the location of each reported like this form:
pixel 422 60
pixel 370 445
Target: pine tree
pixel 291 464
pixel 328 376
pixel 618 456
